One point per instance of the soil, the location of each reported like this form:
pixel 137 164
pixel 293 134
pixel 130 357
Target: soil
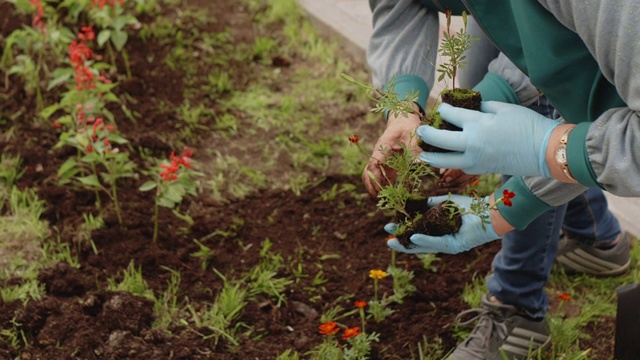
pixel 434 221
pixel 458 97
pixel 340 238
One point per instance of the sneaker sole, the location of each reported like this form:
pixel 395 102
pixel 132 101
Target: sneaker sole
pixel 525 343
pixel 579 260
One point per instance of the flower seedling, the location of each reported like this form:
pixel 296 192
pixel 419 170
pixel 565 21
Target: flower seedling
pixel 453 47
pixel 173 181
pixel 352 344
pixel 406 188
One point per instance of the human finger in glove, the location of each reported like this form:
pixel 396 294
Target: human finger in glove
pixel 502 138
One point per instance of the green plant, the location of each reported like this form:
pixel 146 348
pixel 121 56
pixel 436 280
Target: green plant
pixel 132 282
pixel 172 184
pixel 379 307
pixel 454 46
pixel 263 47
pixel 11 169
pixel 22 220
pixel 190 119
pixel 90 223
pixel 59 251
pixel 402 286
pixel 100 165
pixel 430 350
pixel 28 290
pixel 288 355
pixel 428 260
pixel 14 337
pixel 352 345
pixel 88 126
pixel 112 19
pixel 205 254
pixel 221 317
pixel 166 308
pixel 263 279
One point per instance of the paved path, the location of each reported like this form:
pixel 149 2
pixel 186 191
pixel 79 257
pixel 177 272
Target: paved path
pixel 350 21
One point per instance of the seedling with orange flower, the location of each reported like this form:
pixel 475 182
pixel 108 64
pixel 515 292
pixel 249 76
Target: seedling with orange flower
pixel 360 305
pixel 352 344
pixel 173 181
pixel 379 307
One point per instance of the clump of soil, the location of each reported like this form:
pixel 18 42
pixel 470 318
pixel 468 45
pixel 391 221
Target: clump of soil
pixel 434 221
pixel 438 221
pixel 458 97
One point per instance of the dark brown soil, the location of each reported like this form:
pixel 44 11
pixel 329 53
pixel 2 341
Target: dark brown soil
pixel 434 221
pixel 459 97
pixel 340 237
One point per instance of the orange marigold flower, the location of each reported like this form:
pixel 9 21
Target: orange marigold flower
pixel 564 297
pixel 328 328
pixel 354 139
pixel 360 304
pixel 377 274
pixel 350 332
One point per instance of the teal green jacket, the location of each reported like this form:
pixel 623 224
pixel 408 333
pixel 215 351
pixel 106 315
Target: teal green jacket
pixel 580 53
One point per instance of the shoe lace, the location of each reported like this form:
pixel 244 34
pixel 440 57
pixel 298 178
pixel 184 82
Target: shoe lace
pixel 478 342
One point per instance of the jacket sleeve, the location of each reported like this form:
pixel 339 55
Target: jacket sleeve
pixel 403 46
pixel 605 153
pixel 493 74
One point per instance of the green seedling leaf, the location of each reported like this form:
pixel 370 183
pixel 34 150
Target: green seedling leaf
pixel 90 180
pixel 49 110
pixel 149 185
pixel 103 37
pixel 119 38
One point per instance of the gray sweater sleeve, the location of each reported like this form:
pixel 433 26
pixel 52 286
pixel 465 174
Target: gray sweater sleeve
pixel 610 31
pixel 404 41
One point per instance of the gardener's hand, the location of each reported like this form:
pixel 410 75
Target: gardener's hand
pixel 503 138
pixel 452 180
pixel 400 130
pixel 472 233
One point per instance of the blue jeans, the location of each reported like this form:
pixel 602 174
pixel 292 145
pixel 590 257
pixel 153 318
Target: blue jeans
pixel 522 267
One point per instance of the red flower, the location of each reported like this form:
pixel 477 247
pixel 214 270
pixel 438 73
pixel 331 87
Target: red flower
pixel 360 304
pixel 86 33
pixel 350 332
pixel 170 170
pixel 507 196
pixel 38 19
pixel 564 297
pixel 328 328
pixel 102 3
pixel 354 139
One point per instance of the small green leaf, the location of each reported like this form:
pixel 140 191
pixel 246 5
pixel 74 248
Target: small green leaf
pixel 90 180
pixel 103 36
pixel 119 38
pixel 149 185
pixel 68 168
pixel 49 110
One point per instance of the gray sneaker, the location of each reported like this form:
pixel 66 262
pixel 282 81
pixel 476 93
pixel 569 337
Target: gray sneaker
pixel 500 334
pixel 574 257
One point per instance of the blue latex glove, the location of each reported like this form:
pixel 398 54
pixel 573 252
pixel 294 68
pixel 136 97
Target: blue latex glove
pixel 471 233
pixel 503 139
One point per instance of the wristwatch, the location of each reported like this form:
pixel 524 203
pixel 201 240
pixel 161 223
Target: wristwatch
pixel 561 155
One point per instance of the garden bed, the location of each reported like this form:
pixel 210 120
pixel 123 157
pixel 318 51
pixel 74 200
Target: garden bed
pixel 318 235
